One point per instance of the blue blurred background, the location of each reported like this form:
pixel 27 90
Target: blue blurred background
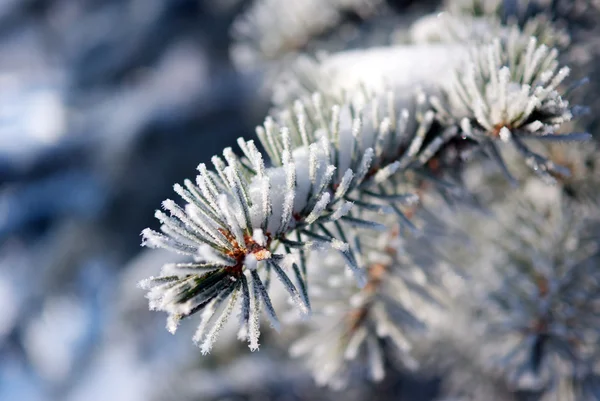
pixel 104 104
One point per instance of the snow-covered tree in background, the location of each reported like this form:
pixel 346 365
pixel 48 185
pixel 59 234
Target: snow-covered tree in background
pixel 428 203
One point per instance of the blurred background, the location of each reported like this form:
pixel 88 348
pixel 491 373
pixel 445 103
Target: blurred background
pixel 104 105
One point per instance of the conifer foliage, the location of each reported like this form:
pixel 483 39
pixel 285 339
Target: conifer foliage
pixel 340 203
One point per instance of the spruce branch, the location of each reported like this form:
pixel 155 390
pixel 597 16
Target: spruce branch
pixel 367 328
pixel 510 91
pixel 242 219
pixel 346 154
pixel 533 296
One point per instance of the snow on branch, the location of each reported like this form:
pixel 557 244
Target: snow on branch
pixel 242 219
pixel 354 140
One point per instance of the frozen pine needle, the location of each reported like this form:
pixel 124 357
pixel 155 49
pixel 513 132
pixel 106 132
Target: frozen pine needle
pixel 238 215
pixel 329 210
pixel 510 91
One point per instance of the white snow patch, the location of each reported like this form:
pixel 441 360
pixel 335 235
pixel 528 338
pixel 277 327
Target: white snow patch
pixel 398 67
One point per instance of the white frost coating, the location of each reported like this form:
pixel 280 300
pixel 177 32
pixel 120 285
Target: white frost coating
pixel 300 156
pixel 208 255
pixel 365 163
pixel 497 95
pixel 212 335
pixel 231 220
pixel 206 225
pixel 387 172
pixel 259 237
pixel 327 178
pixel 250 261
pixel 254 321
pixel 240 203
pixel 153 239
pixel 256 211
pixel 400 67
pixel 172 323
pixel 344 184
pixel 290 195
pixel 279 187
pixel 372 122
pixel 346 139
pixel 277 193
pixel 342 210
pixel 303 184
pixel 318 209
pixel 339 245
pixel 207 313
pixel 505 134
pixel 173 269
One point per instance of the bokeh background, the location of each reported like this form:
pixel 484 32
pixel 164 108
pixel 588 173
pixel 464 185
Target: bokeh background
pixel 104 104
